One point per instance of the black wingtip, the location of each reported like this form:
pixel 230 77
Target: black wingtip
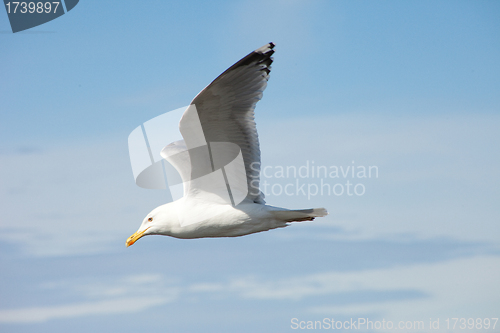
pixel 261 56
pixel 266 48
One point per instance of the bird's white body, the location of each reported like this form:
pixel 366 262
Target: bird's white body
pixel 219 162
pixel 223 220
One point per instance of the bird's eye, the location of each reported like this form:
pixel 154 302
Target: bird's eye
pixel 150 219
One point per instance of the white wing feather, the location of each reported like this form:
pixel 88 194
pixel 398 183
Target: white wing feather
pixel 226 112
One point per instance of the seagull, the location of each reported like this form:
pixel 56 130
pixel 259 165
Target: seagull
pixel 219 162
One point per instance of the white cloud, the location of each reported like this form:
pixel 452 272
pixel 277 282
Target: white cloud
pixel 105 307
pixel 462 287
pixel 465 288
pixel 449 284
pixel 127 286
pixel 127 294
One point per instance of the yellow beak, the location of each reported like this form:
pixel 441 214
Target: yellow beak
pixel 135 237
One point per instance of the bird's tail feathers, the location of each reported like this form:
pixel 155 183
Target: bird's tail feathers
pixel 299 215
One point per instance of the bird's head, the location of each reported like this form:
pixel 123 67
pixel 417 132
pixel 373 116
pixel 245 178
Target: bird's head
pixel 157 222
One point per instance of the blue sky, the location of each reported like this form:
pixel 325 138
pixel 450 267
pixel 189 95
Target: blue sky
pixel 409 87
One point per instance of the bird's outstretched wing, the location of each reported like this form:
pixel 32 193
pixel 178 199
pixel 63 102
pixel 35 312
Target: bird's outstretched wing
pixel 223 112
pixel 177 155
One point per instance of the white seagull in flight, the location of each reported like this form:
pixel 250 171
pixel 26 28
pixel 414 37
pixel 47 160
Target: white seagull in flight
pixel 219 162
